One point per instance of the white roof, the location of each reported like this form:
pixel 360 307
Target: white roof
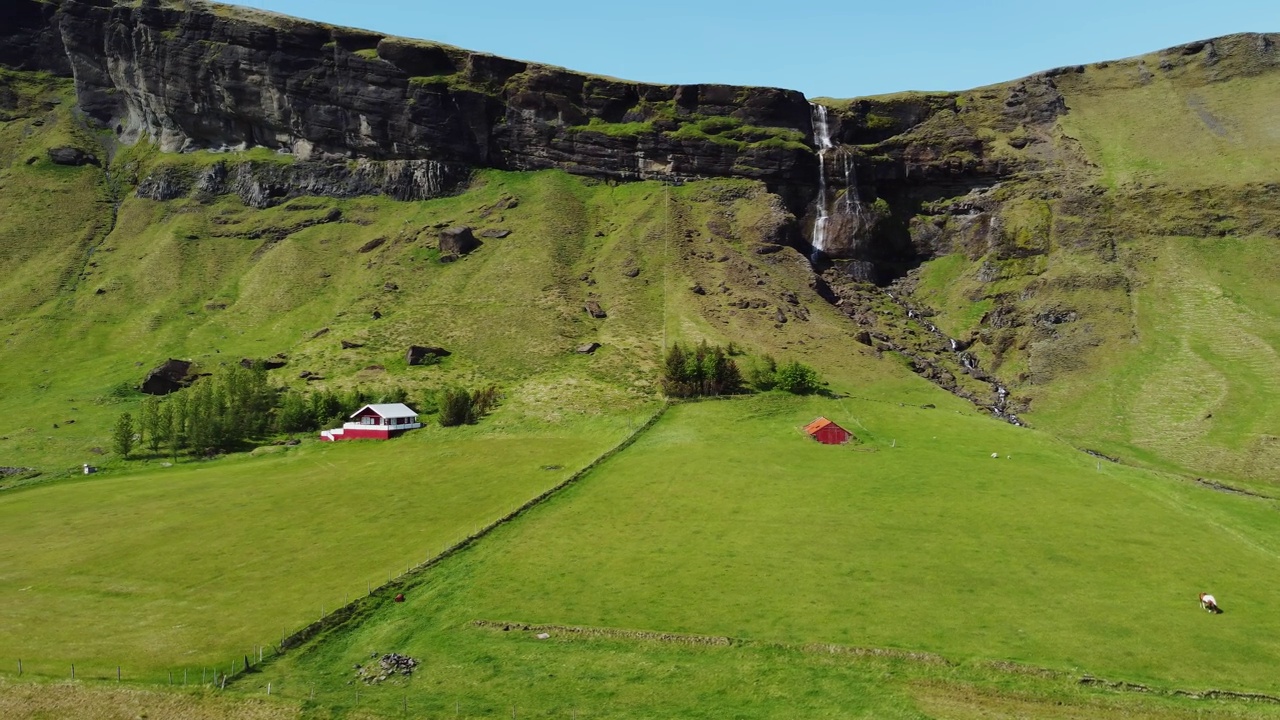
pixel 389 410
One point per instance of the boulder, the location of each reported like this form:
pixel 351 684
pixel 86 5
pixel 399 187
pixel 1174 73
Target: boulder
pixel 457 240
pixel 169 377
pixel 594 310
pixel 419 354
pixel 588 348
pixel 271 363
pixel 351 345
pixel 71 156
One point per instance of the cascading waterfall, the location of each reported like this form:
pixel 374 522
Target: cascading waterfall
pixel 822 136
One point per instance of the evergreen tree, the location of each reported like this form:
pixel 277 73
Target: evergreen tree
pixel 122 436
pixel 149 430
pixel 295 416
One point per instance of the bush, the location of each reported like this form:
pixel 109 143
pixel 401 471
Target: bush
pixel 797 378
pixel 762 373
pixel 459 406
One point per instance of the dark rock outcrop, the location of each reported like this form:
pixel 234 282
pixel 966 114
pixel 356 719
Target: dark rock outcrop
pixel 72 156
pixel 271 363
pixel 457 241
pixel 169 377
pixel 424 355
pixel 594 310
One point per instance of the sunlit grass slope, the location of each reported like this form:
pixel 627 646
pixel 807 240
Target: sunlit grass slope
pixel 725 521
pixel 195 565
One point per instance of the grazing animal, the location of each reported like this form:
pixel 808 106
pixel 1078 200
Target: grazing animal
pixel 1209 603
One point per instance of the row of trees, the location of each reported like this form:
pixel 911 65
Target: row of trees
pixel 704 370
pixel 227 411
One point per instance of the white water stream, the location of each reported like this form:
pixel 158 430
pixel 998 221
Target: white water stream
pixel 821 136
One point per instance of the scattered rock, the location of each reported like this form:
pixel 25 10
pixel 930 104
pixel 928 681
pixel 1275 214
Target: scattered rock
pixel 71 156
pixel 495 233
pixel 594 310
pixel 448 258
pixel 390 287
pixel 790 298
pixel 292 442
pixel 698 290
pixel 169 377
pixel 372 245
pixel 387 666
pixel 457 240
pixel 588 348
pixel 543 636
pixel 631 272
pixel 374 368
pixel 351 345
pixel 15 471
pixel 376 315
pixel 100 291
pixel 863 337
pixel 780 316
pixel 271 363
pixel 305 375
pixel 766 249
pixel 419 354
pixel 319 333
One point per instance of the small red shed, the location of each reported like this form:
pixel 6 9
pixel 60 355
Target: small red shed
pixel 827 432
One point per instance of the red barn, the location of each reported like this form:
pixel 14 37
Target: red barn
pixel 375 422
pixel 827 432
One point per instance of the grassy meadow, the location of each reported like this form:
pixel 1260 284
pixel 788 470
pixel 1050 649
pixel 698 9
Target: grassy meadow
pixel 194 565
pixel 724 521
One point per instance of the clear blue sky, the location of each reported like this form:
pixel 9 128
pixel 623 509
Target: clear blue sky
pixel 837 49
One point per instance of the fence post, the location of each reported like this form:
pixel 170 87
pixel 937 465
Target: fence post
pixel 117 673
pixel 73 671
pixel 170 677
pixel 184 677
pixel 19 666
pixel 268 688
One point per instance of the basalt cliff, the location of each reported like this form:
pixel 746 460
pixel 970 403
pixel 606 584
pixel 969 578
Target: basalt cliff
pixel 195 75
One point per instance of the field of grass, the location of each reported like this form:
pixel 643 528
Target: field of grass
pixel 725 521
pixel 192 566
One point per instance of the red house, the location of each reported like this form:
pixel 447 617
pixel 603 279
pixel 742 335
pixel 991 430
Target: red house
pixel 375 422
pixel 827 432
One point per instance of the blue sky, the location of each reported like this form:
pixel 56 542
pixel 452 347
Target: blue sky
pixel 836 49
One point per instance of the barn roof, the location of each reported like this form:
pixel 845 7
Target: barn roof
pixel 813 427
pixel 388 410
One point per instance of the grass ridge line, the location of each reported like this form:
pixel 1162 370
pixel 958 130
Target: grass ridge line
pixel 360 607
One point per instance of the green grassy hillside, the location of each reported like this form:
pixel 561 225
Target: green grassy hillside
pixel 1136 313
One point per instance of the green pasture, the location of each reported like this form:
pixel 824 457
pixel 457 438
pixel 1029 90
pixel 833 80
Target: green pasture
pixel 724 520
pixel 194 565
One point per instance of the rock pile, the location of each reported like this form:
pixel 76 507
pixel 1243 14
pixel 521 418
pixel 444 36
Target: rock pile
pixel 387 665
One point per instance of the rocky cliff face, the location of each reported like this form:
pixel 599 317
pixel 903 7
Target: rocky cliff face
pixel 195 75
pixel 884 175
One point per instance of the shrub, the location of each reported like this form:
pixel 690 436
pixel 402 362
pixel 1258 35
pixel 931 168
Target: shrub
pixel 797 378
pixel 762 373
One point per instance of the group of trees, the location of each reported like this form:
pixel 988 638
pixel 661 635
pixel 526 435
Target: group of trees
pixel 224 412
pixel 707 370
pixel 699 371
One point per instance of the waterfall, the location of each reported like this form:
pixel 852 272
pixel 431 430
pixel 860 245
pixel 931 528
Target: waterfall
pixel 852 202
pixel 821 136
